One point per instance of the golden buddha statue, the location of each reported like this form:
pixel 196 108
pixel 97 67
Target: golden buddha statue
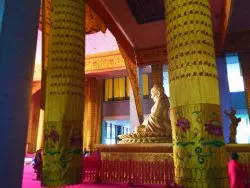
pixel 156 127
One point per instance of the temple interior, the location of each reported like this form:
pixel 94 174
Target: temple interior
pixel 136 92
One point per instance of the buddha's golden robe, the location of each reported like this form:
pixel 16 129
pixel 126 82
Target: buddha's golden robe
pixel 158 120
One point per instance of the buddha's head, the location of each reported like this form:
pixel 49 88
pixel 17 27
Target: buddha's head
pixel 156 92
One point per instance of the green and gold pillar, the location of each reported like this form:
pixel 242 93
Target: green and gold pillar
pixel 194 94
pixel 63 118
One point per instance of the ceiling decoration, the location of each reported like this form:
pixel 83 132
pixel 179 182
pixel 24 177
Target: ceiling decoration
pixel 93 23
pixel 146 11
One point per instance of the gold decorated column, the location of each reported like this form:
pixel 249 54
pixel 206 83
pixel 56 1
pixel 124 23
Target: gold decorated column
pixel 194 94
pixel 40 131
pixel 92 112
pixel 90 117
pixel 33 125
pixel 63 118
pixel 157 74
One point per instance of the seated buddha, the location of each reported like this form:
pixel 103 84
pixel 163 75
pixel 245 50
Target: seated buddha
pixel 158 120
pixel 157 126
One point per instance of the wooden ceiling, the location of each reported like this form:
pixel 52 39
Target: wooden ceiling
pixel 146 11
pixel 129 14
pixel 238 32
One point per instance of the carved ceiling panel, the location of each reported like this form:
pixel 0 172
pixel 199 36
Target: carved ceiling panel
pixel 146 11
pixel 237 42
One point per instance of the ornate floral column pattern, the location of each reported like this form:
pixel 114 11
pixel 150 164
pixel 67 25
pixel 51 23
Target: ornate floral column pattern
pixel 157 74
pixel 64 94
pixel 195 106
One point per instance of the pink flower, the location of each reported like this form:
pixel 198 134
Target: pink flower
pixel 214 128
pixel 183 123
pixel 54 135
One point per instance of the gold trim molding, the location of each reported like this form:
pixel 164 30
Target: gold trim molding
pixel 104 62
pixel 136 152
pixel 121 156
pixel 136 148
pixel 151 55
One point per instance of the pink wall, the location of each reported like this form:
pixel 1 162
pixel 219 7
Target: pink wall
pixel 116 108
pixel 121 108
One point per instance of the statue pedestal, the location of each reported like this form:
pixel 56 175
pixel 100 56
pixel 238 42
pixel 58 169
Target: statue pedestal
pixel 137 152
pixel 137 164
pixel 145 137
pixel 152 163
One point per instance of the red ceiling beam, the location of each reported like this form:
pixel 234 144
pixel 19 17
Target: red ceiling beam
pixel 106 17
pixel 40 20
pixel 226 13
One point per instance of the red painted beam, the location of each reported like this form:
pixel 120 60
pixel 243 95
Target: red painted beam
pixel 40 20
pixel 107 18
pixel 226 13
